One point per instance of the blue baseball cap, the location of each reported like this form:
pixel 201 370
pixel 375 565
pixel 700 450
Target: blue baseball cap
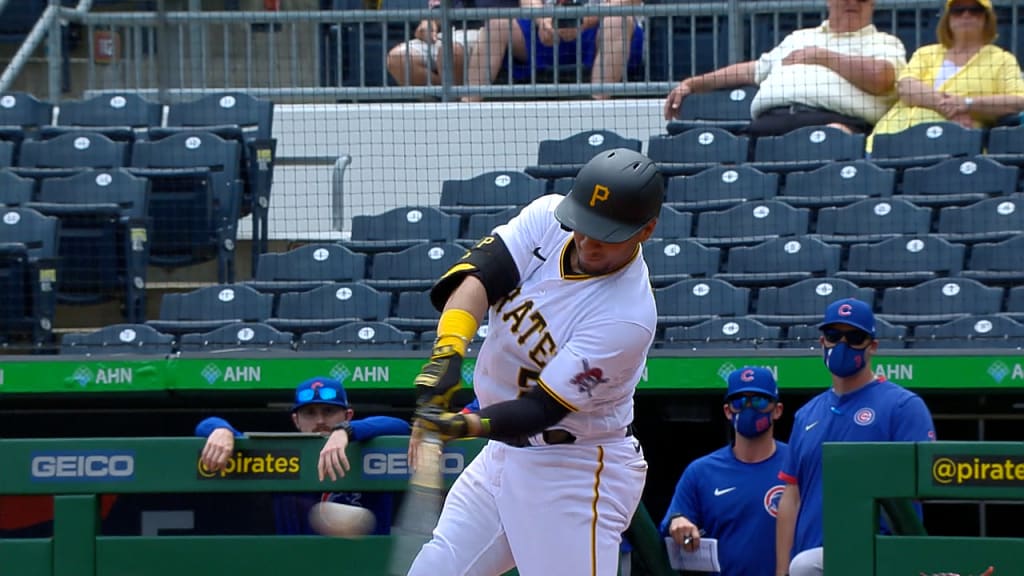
pixel 752 379
pixel 851 312
pixel 320 391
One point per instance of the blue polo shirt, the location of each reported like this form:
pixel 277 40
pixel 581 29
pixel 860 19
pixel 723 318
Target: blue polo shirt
pixel 736 503
pixel 879 412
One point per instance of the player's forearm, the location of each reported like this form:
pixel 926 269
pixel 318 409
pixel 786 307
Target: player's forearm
pixel 207 426
pixel 871 75
pixel 531 413
pixel 739 74
pixel 785 526
pixel 367 428
pixel 470 296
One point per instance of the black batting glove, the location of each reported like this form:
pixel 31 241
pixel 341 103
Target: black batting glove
pixel 440 378
pixel 447 425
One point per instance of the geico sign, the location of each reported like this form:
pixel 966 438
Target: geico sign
pixel 397 463
pixel 85 466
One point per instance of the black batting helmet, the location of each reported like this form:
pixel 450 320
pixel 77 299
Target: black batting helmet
pixel 615 194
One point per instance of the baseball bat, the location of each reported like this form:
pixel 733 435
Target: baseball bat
pixel 420 508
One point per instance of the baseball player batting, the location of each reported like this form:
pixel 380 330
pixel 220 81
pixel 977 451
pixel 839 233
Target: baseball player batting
pixel 571 317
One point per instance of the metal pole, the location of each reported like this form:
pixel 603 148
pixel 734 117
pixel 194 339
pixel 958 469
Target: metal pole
pixel 735 26
pixel 54 52
pixel 447 57
pixel 163 51
pixel 195 48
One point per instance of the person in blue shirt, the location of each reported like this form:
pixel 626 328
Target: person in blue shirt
pixel 321 406
pixel 858 407
pixel 732 494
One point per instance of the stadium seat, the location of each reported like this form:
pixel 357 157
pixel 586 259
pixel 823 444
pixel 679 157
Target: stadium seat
pixel 22 114
pixel 414 268
pixel 904 260
pixel 561 186
pixel 118 339
pixel 717 333
pixel 7 153
pixel 562 158
pixel 924 144
pixel 804 302
pixel 751 223
pixel 368 336
pixel 490 192
pixel 672 260
pixel 238 337
pixel 121 117
pixel 806 149
pixel 985 221
pixel 939 300
pixel 958 181
pixel 998 262
pixel 104 246
pixel 195 199
pixel 308 267
pixel 414 311
pixel 15 190
pixel 67 154
pixel 673 224
pixel 987 331
pixel 209 308
pixel 728 109
pixel 1015 303
pixel 400 228
pixel 696 150
pixel 807 336
pixel 480 225
pixel 1006 145
pixel 872 220
pixel 29 248
pixel 720 187
pixel 698 299
pixel 329 306
pixel 837 183
pixel 780 261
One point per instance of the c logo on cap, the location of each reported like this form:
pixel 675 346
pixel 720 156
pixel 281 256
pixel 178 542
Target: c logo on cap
pixel 600 194
pixel 747 375
pixel 845 310
pixel 316 385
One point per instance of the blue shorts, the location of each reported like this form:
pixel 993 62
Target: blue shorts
pixel 567 50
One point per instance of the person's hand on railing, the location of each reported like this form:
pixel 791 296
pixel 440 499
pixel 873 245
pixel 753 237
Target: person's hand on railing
pixel 220 445
pixel 675 99
pixel 989 572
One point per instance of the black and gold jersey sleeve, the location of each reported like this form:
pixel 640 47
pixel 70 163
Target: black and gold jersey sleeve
pixel 490 261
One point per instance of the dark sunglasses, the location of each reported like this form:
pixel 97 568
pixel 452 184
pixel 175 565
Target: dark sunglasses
pixel 855 338
pixel 757 402
pixel 323 393
pixel 959 10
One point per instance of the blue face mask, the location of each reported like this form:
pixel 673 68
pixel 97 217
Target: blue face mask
pixel 751 423
pixel 844 361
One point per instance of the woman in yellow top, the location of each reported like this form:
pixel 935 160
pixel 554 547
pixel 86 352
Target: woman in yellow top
pixel 963 79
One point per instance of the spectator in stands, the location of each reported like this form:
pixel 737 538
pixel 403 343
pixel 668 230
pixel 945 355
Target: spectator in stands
pixel 964 78
pixel 418 61
pixel 988 572
pixel 607 46
pixel 321 406
pixel 841 74
pixel 732 494
pixel 858 407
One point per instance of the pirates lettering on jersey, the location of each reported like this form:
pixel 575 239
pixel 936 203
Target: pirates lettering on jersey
pixel 528 325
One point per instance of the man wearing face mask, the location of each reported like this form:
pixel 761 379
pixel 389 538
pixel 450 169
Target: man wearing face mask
pixel 859 407
pixel 733 493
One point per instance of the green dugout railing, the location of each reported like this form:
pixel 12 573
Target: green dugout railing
pixel 76 471
pixel 858 477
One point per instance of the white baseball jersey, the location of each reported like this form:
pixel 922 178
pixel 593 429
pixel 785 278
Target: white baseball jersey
pixel 583 338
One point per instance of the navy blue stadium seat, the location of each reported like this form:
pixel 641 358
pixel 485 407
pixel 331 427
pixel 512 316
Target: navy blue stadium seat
pixel 872 220
pixel 561 186
pixel 118 339
pixel 29 248
pixel 904 260
pixel 329 306
pixel 1015 303
pixel 66 154
pixel 15 190
pixel 720 187
pixel 308 267
pixel 780 261
pixel 838 183
pixel 672 260
pixel 368 336
pixel 924 144
pixel 998 262
pixel 414 311
pixel 122 117
pixel 414 268
pixel 717 333
pixel 238 337
pixel 752 223
pixel 939 300
pixel 804 301
pixel 22 114
pixel 480 225
pixel 1006 145
pixel 195 200
pixel 104 247
pixel 807 336
pixel 694 150
pixel 490 192
pixel 7 150
pixel 958 181
pixel 565 157
pixel 673 224
pixel 698 299
pixel 985 331
pixel 806 149
pixel 400 228
pixel 209 308
pixel 728 109
pixel 985 221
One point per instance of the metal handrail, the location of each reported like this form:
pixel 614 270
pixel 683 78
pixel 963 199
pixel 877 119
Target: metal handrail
pixel 47 25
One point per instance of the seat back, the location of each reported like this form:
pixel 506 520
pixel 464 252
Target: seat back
pixel 983 331
pixel 875 216
pixel 1005 256
pixel 359 336
pixel 810 143
pixel 928 139
pixel 118 339
pixel 239 336
pixel 6 153
pixel 15 190
pixel 676 258
pixel 117 188
pixel 799 254
pixel 702 297
pixel 723 333
pixel 754 219
pixel 858 178
pixel 418 266
pixel 74 150
pixel 809 297
pixel 24 110
pixel 903 254
pixel 722 184
pixel 407 223
pixel 347 301
pixel 495 190
pixel 220 302
pixel 582 146
pixel 943 296
pixel 673 224
pixel 699 145
pixel 480 225
pixel 977 175
pixel 122 110
pixel 984 217
pixel 317 262
pixel 731 104
pixel 254 116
